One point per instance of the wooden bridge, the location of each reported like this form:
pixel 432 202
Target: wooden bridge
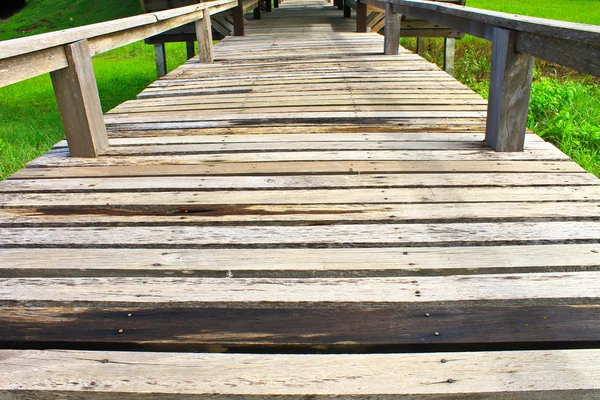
pixel 304 217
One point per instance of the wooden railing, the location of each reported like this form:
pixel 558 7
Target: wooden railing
pixel 66 55
pixel 516 40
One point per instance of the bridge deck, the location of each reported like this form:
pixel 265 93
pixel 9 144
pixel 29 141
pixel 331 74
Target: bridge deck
pixel 303 194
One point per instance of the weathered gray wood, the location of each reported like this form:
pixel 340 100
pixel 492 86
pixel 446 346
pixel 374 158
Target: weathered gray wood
pixel 393 22
pixel 524 375
pixel 420 46
pixel 79 102
pixel 449 55
pixel 160 56
pixel 205 41
pixel 510 89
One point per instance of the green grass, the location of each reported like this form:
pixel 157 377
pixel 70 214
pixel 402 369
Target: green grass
pixel 29 120
pixel 565 105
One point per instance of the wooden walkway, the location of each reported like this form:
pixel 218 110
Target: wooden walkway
pixel 303 217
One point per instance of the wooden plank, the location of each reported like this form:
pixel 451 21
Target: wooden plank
pixel 20 68
pixel 291 214
pixel 338 235
pixel 298 182
pixel 79 103
pixel 574 375
pixel 510 89
pixel 314 327
pixel 300 167
pixel 294 263
pixel 527 289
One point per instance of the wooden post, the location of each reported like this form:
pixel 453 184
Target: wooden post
pixel 238 19
pixel 276 3
pixel 79 103
pixel 268 5
pixel 340 5
pixel 449 55
pixel 393 22
pixel 347 10
pixel 258 10
pixel 160 56
pixel 510 89
pixel 205 40
pixel 420 46
pixel 361 16
pixel 336 3
pixel 190 50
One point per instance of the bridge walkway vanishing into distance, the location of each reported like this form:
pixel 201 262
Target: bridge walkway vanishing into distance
pixel 305 217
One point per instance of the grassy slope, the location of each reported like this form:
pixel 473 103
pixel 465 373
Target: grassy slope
pixel 29 119
pixel 565 105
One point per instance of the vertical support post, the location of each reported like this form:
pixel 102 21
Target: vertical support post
pixel 340 5
pixel 347 10
pixel 258 10
pixel 449 55
pixel 238 19
pixel 393 21
pixel 276 3
pixel 205 41
pixel 268 5
pixel 361 16
pixel 510 89
pixel 189 48
pixel 160 56
pixel 336 3
pixel 420 46
pixel 79 103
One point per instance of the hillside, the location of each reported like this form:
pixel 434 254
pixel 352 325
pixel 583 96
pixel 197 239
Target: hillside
pixel 40 16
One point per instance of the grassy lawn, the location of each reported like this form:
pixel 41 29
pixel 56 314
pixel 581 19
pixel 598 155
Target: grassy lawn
pixel 565 107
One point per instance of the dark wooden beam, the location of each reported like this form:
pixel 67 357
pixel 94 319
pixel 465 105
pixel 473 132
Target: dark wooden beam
pixel 510 88
pixel 258 10
pixel 361 16
pixel 238 19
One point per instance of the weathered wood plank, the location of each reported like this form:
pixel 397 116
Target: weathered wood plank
pixel 204 37
pixel 323 262
pixel 300 167
pixel 574 375
pixel 340 235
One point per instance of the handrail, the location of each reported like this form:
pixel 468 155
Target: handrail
pixel 516 40
pixel 569 44
pixel 31 56
pixel 67 56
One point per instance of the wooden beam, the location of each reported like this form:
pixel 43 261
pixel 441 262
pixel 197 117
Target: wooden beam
pixel 268 5
pixel 510 88
pixel 238 19
pixel 79 103
pixel 340 5
pixel 393 22
pixel 449 55
pixel 160 56
pixel 361 16
pixel 276 3
pixel 190 49
pixel 420 46
pixel 205 43
pixel 258 10
pixel 347 10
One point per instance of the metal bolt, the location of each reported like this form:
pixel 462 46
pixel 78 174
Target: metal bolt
pixel 437 334
pixel 417 291
pixel 120 331
pixel 443 361
pixel 93 383
pixel 104 361
pixel 427 314
pixel 450 380
pixel 129 315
